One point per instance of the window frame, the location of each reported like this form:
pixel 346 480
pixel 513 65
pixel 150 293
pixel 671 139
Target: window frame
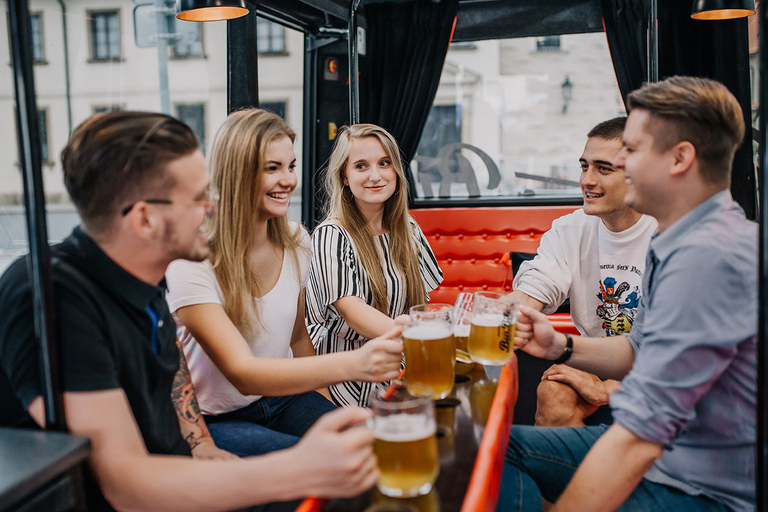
pixel 91 17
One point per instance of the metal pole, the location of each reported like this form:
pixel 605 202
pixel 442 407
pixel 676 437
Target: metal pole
pixel 652 71
pixel 761 471
pixel 354 78
pixel 162 32
pixel 38 263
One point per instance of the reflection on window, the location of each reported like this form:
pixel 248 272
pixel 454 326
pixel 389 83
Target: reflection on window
pixel 277 107
pixel 271 36
pixel 37 37
pixel 508 122
pixel 193 115
pixel 105 35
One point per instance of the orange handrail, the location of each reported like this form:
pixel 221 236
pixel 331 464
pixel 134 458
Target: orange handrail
pixel 311 505
pixel 483 490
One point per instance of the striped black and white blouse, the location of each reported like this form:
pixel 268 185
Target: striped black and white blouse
pixel 337 271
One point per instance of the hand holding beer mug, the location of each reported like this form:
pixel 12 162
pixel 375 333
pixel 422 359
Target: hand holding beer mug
pixel 405 443
pixel 429 347
pixel 492 335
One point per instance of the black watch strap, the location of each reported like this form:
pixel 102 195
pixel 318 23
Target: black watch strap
pixel 567 351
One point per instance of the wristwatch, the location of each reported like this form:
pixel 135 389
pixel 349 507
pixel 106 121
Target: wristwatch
pixel 567 351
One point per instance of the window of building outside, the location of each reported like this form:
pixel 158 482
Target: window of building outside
pixel 548 44
pixel 270 37
pixel 188 48
pixel 511 123
pixel 277 107
pixel 99 109
pixel 37 37
pixel 42 118
pixel 105 35
pixel 193 115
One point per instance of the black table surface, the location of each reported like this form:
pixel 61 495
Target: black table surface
pixel 30 459
pixel 461 419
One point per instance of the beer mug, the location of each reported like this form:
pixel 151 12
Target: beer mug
pixel 405 444
pixel 429 347
pixel 492 334
pixel 462 318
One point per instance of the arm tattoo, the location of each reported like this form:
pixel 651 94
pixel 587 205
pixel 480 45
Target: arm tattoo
pixel 193 427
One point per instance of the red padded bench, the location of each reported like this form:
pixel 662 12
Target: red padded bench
pixel 469 244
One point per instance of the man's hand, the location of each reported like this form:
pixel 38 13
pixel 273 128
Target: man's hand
pixel 207 449
pixel 378 360
pixel 535 335
pixel 589 386
pixel 339 451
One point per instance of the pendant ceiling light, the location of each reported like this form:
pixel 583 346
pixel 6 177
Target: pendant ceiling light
pixel 210 10
pixel 722 9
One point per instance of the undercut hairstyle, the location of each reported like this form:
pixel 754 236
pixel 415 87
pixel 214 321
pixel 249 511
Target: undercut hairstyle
pixel 114 159
pixel 403 249
pixel 237 160
pixel 697 110
pixel 612 129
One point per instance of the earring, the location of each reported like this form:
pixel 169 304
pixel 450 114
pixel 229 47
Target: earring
pixel 344 196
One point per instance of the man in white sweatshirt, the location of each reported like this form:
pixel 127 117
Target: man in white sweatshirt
pixel 595 257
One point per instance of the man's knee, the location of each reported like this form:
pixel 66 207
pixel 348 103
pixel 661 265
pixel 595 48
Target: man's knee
pixel 559 405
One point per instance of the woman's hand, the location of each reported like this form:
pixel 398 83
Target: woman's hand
pixel 378 359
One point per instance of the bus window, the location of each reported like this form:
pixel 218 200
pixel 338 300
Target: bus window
pixel 103 57
pixel 281 82
pixel 510 117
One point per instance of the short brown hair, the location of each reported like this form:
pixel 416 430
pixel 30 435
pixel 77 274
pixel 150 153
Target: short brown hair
pixel 697 110
pixel 114 159
pixel 611 129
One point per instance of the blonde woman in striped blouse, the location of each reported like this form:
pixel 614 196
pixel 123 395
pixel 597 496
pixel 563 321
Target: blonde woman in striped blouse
pixel 371 260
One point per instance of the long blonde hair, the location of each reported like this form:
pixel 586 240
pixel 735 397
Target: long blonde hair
pixel 237 160
pixel 396 220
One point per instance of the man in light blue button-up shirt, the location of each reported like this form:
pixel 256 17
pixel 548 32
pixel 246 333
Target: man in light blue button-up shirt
pixel 684 429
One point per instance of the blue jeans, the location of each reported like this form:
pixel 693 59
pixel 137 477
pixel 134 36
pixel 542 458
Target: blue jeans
pixel 268 424
pixel 542 460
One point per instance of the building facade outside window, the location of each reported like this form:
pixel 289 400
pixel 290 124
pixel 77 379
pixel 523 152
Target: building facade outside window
pixel 271 37
pixel 38 56
pixel 42 118
pixel 105 35
pixel 193 115
pixel 188 48
pixel 548 44
pixel 99 109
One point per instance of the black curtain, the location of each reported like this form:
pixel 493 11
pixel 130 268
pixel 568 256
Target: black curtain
pixel 407 44
pixel 713 49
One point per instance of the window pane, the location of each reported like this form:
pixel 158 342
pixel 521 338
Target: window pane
pixel 510 120
pixel 130 82
pixel 37 38
pixel 271 37
pixel 281 79
pixel 194 116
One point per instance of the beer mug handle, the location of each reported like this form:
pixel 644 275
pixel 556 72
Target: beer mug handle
pixel 462 308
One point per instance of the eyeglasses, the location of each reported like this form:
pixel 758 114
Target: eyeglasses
pixel 208 204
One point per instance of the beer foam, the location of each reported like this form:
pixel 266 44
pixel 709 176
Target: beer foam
pixel 462 330
pixel 404 427
pixel 488 320
pixel 427 332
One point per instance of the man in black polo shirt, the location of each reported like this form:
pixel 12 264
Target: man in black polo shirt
pixel 141 187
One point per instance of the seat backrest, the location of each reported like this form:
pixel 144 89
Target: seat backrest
pixel 483 490
pixel 469 243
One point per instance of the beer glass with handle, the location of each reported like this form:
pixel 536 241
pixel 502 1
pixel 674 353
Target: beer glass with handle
pixel 405 442
pixel 429 347
pixel 492 334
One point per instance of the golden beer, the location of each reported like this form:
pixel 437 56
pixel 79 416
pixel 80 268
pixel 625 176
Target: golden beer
pixel 491 339
pixel 430 357
pixel 406 448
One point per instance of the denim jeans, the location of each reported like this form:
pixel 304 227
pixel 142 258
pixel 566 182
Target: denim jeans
pixel 268 424
pixel 542 460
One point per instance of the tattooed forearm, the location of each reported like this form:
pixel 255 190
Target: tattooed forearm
pixel 193 427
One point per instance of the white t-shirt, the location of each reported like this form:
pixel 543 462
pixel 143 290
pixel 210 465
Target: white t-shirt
pixel 191 283
pixel 600 271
